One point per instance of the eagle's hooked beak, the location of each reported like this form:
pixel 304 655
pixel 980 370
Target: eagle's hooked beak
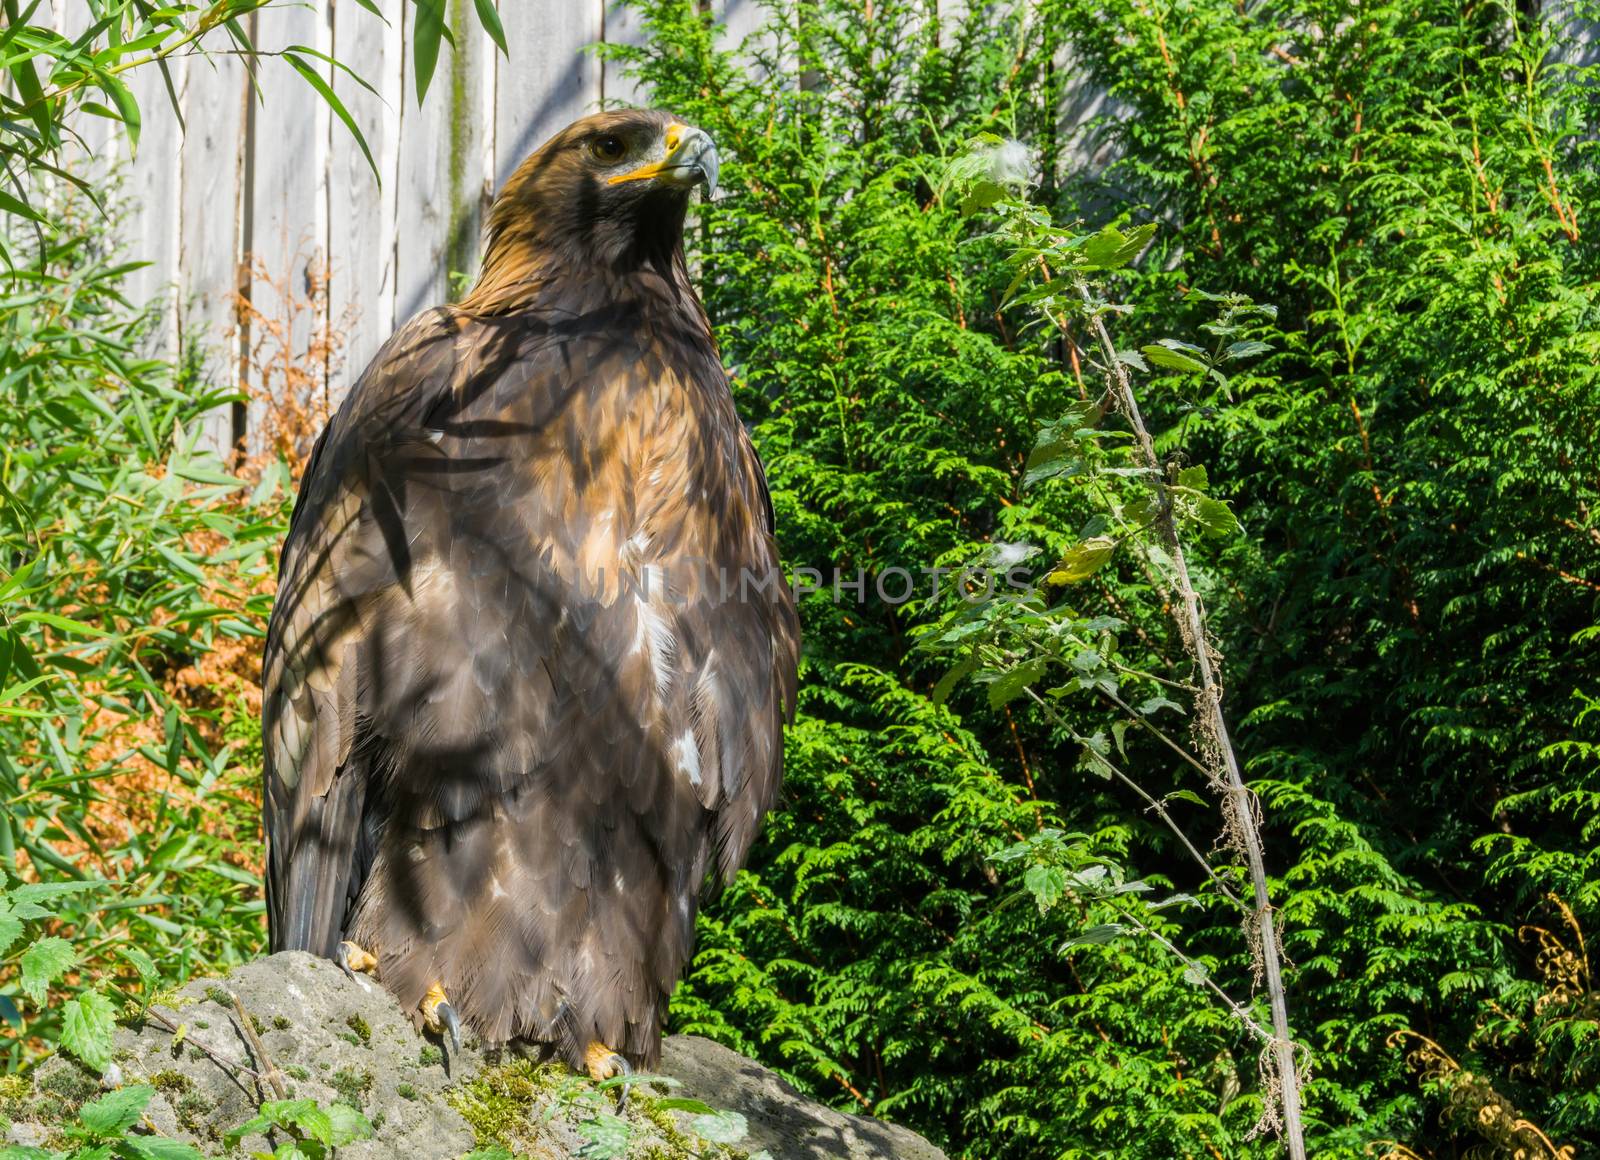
pixel 690 159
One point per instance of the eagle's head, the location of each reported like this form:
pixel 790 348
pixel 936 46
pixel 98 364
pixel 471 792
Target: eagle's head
pixel 608 192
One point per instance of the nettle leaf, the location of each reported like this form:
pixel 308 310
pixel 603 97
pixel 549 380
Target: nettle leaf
pixel 142 963
pixel 1112 249
pixel 1088 660
pixel 88 1022
pixel 1174 900
pixel 1084 559
pixel 1059 461
pixel 160 1148
pixel 685 1104
pixel 1172 355
pixel 302 1114
pixel 348 1125
pixel 1096 935
pixel 43 963
pixel 1216 517
pixel 27 1152
pixel 50 891
pixel 1046 884
pixel 1194 477
pixel 1009 686
pixel 1247 348
pixel 980 196
pixel 606 1138
pixel 112 1114
pixel 720 1127
pixel 1096 751
pixel 10 928
pixel 1151 705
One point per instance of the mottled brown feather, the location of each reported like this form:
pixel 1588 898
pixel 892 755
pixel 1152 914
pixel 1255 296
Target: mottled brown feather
pixel 501 754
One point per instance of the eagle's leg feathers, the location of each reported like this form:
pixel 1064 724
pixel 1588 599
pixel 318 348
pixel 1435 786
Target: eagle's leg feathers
pixel 352 958
pixel 439 1016
pixel 602 1064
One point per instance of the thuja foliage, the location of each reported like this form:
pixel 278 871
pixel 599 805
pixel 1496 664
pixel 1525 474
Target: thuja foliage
pixel 1412 467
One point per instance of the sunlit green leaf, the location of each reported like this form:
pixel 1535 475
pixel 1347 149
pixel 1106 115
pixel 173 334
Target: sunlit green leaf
pixel 87 1024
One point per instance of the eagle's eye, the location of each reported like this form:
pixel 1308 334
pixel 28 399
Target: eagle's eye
pixel 607 149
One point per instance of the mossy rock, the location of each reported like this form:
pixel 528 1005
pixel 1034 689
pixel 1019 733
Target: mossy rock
pixel 334 1039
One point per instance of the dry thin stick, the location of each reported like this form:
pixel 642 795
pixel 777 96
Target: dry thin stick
pixel 228 1065
pixel 1156 805
pixel 1238 801
pixel 268 1070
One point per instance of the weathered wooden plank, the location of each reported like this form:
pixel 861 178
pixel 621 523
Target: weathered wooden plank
pixel 151 187
pixel 745 26
pixel 286 224
pixel 1576 34
pixel 361 212
pixel 1084 120
pixel 210 205
pixel 550 80
pixel 621 25
pixel 440 179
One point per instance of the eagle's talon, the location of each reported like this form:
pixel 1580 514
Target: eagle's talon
pixel 440 1017
pixel 447 1016
pixel 602 1064
pixel 352 958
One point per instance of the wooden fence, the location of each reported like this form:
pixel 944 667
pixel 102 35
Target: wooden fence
pixel 272 203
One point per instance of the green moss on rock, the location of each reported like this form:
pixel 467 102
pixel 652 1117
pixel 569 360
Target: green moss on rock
pixel 498 1102
pixel 353 1086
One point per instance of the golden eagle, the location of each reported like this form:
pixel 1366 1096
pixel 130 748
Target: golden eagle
pixel 527 673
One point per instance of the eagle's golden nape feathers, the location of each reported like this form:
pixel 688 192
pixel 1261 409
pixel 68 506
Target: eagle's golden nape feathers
pixel 510 731
pixel 609 189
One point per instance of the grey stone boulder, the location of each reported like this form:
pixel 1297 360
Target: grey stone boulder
pixel 332 1040
pixel 780 1119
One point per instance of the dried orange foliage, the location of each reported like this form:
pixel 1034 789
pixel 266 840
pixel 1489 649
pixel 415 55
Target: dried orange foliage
pixel 293 350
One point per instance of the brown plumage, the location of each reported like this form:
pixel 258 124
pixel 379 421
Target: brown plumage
pixel 514 718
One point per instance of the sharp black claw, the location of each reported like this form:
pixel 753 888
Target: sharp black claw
pixel 343 959
pixel 624 1068
pixel 447 1015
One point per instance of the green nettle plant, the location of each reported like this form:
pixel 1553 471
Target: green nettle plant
pixel 1145 505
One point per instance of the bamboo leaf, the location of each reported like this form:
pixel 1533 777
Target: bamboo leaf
pixel 427 33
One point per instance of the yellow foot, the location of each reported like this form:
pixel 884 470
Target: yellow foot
pixel 352 958
pixel 438 1016
pixel 602 1064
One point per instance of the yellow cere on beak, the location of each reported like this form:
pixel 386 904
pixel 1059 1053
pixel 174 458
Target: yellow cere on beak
pixel 679 139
